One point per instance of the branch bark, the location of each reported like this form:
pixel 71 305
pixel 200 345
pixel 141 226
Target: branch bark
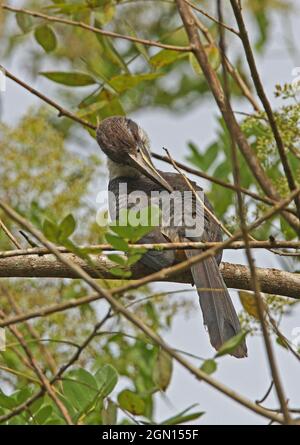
pixel 237 276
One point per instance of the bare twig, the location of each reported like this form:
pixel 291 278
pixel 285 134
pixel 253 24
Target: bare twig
pixel 10 235
pixel 62 111
pixel 99 248
pixel 44 381
pixel 23 406
pixel 225 108
pixel 265 278
pixel 229 28
pixel 34 334
pixel 197 197
pixel 264 99
pixel 204 175
pixel 266 395
pixel 117 306
pixel 103 32
pixel 256 286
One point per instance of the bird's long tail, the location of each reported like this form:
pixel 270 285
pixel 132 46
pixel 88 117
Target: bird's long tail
pixel 218 311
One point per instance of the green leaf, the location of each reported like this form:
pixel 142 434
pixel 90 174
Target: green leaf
pixel 88 382
pixel 120 272
pixel 166 57
pixel 111 53
pixel 205 160
pixel 76 394
pixel 117 259
pixel 230 345
pixel 23 395
pixel 213 55
pixel 177 420
pixel 125 82
pixel 194 64
pixel 46 37
pixel 106 378
pixel 133 259
pixel 24 22
pixel 106 13
pixel 6 401
pixel 142 49
pixel 74 79
pixel 131 402
pixel 209 366
pixel 55 421
pixel 117 242
pixel 282 342
pixel 43 414
pixel 123 231
pixel 162 371
pixel 183 417
pixel 50 231
pixel 67 226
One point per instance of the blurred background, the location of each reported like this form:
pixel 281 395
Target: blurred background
pixel 52 167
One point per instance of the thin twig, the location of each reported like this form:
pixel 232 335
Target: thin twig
pixel 229 28
pixel 103 32
pixel 197 197
pixel 225 108
pixel 44 381
pixel 157 276
pixel 98 248
pixel 10 235
pixel 266 395
pixel 204 175
pixel 256 286
pixel 264 99
pixel 23 406
pixel 62 111
pixel 119 307
pixel 48 356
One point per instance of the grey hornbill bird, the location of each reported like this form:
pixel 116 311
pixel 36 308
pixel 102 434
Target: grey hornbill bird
pixel 127 148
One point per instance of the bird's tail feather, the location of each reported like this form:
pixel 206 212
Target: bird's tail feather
pixel 218 311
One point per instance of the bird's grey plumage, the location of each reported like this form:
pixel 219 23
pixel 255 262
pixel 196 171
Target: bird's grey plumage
pixel 116 137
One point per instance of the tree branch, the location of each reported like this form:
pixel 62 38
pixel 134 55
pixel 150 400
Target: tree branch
pixel 264 100
pixel 265 182
pixel 98 248
pixel 103 32
pixel 218 181
pixel 210 17
pixel 61 111
pixel 237 276
pixel 117 306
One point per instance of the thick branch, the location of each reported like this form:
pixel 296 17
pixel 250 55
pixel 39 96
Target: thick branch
pixel 237 276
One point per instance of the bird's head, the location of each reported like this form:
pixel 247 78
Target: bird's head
pixel 125 143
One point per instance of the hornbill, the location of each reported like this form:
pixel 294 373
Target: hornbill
pixel 129 161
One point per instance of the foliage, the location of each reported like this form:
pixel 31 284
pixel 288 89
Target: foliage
pixel 49 171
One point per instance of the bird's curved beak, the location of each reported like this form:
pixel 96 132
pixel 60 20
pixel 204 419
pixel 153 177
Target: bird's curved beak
pixel 140 160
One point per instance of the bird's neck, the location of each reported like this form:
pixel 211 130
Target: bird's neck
pixel 120 170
